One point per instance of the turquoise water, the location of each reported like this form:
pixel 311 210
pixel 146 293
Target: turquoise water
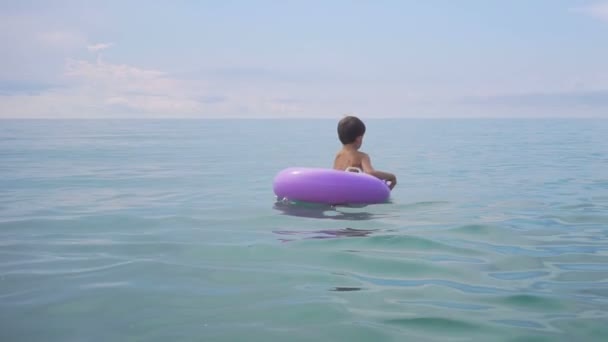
pixel 169 230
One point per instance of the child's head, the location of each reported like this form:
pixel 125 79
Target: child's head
pixel 351 130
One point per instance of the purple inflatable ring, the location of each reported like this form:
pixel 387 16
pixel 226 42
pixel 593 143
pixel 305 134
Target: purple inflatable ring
pixel 329 186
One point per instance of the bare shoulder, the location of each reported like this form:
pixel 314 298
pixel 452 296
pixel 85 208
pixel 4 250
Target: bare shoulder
pixel 338 160
pixel 339 154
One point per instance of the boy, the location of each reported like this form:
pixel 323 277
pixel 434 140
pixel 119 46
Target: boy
pixel 350 132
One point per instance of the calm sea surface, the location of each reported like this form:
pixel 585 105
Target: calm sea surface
pixel 169 231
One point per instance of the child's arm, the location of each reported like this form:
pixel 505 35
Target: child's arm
pixel 385 176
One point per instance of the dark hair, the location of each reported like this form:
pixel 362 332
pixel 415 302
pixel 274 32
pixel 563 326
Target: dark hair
pixel 349 129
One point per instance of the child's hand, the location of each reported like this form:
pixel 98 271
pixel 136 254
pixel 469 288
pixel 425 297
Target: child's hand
pixel 390 180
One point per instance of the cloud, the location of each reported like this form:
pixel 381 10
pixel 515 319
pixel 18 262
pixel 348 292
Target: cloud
pixel 23 87
pixel 100 89
pixel 35 48
pixel 61 38
pixel 117 75
pixel 139 90
pixel 595 99
pixel 133 88
pixel 99 46
pixel 35 33
pixel 598 10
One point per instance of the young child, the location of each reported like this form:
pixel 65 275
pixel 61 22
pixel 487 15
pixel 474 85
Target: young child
pixel 350 131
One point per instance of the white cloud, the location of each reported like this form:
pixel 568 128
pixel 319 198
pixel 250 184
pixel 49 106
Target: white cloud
pixel 119 77
pixel 133 88
pixel 61 39
pixel 598 10
pixel 34 49
pixel 32 33
pixel 99 46
pixel 99 89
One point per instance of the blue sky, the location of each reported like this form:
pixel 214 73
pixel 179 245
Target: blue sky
pixel 250 59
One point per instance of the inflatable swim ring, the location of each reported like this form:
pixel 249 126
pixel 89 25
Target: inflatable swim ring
pixel 329 186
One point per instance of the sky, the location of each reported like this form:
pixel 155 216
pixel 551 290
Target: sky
pixel 291 59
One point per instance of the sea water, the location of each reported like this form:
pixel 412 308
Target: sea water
pixel 168 230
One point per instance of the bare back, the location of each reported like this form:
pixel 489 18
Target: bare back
pixel 346 158
pixel 349 157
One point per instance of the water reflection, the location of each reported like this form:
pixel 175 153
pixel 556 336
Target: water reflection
pixel 322 211
pixel 346 289
pixel 324 234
